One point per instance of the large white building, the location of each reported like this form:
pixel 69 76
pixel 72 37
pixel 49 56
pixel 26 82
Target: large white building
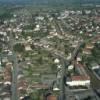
pixel 79 81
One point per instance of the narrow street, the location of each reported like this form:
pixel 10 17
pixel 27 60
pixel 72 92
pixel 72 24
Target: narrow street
pixel 14 71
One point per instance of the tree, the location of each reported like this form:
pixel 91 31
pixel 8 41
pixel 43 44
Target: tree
pixel 53 67
pixel 40 60
pixel 35 95
pixel 0 50
pixel 19 48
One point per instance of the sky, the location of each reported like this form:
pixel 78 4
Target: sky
pixel 46 1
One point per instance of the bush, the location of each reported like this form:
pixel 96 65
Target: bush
pixel 19 48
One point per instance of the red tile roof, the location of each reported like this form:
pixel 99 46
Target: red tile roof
pixel 80 78
pixel 8 73
pixel 51 97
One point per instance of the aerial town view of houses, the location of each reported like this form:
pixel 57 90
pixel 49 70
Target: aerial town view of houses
pixel 49 53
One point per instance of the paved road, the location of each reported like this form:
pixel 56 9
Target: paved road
pixel 14 71
pixel 65 64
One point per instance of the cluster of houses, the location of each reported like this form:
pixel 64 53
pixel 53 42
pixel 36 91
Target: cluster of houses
pixel 88 48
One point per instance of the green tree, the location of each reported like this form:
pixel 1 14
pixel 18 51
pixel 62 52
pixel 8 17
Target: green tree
pixel 19 48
